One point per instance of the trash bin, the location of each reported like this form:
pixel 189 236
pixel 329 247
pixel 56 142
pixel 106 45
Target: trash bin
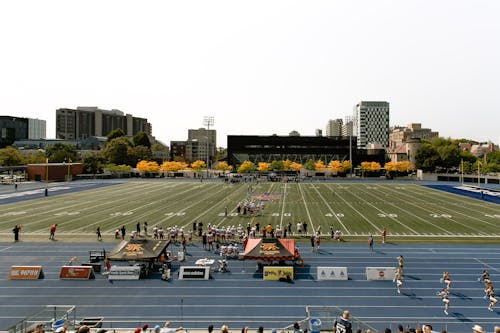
pixel 315 325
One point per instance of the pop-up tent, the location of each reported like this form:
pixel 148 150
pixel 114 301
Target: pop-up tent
pixel 269 249
pixel 139 250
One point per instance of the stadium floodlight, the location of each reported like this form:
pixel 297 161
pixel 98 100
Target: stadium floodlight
pixel 208 121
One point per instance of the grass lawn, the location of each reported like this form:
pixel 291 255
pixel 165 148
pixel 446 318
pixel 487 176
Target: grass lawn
pixel 410 212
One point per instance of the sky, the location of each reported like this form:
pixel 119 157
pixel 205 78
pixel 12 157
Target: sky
pixel 258 67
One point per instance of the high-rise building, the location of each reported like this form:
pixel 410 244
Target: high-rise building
pixel 12 129
pixel 319 132
pixel 37 129
pixel 204 145
pixel 372 124
pixel 334 127
pixel 84 122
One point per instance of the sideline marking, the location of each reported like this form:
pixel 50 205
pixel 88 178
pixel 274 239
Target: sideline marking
pixel 5 249
pixel 485 264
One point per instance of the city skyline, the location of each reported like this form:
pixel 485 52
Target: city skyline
pixel 258 68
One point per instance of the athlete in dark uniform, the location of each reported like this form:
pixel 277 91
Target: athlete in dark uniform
pixel 342 324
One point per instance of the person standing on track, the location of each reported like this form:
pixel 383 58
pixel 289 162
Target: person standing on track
pixel 52 229
pixel 370 243
pixel 16 231
pixel 98 233
pixel 384 235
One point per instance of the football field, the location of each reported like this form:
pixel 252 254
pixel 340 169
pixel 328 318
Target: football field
pixel 408 210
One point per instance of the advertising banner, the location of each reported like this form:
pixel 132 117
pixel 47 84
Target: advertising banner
pixel 124 273
pixel 76 273
pixel 332 273
pixel 194 273
pixel 25 272
pixel 380 273
pixel 278 273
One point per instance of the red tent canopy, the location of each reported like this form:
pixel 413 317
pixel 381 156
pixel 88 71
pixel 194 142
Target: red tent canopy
pixel 269 249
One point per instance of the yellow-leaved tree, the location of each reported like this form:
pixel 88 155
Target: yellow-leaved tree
pixel 223 166
pixel 405 166
pixel 263 166
pixel 147 166
pixel 246 166
pixel 295 166
pixel 198 165
pixel 319 165
pixel 370 168
pixel 391 167
pixel 335 167
pixel 346 165
pixel 173 166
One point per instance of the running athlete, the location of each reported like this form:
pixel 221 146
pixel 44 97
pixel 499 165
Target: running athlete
pixel 401 263
pixel 485 275
pixel 444 293
pixel 446 279
pixel 399 282
pixel 491 295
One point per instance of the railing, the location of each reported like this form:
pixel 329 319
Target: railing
pixel 46 316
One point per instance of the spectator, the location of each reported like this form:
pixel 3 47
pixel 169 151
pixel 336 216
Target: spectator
pixel 167 329
pixel 16 231
pixel 244 329
pixel 496 329
pixel 297 328
pixel 210 328
pixel 260 329
pixel 84 329
pixel 224 329
pixel 477 329
pixel 388 330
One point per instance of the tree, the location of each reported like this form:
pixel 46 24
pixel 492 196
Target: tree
pixel 335 167
pixel 276 165
pixel 147 166
pixel 346 165
pixel 138 153
pixel 117 133
pixel 61 152
pixel 319 165
pixel 116 151
pixel 223 166
pixel 173 166
pixel 142 139
pixel 198 165
pixel 10 156
pixel 427 158
pixel 220 153
pixel 263 166
pixel 309 165
pixel 295 166
pixel 31 157
pixel 246 166
pixel 93 162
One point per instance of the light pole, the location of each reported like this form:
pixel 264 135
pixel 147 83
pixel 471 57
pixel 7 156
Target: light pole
pixel 208 121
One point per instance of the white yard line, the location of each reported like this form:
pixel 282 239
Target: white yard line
pixel 305 204
pixel 330 209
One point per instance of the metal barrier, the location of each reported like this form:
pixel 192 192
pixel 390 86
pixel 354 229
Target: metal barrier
pixel 46 316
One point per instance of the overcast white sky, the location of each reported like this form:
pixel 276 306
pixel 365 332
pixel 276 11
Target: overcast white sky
pixel 258 67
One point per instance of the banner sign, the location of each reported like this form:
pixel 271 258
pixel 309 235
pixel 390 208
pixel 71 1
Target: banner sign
pixel 194 273
pixel 25 272
pixel 76 272
pixel 124 273
pixel 278 273
pixel 332 273
pixel 380 273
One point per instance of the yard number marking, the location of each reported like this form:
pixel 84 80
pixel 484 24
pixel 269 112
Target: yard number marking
pixel 122 213
pixel 387 215
pixel 332 215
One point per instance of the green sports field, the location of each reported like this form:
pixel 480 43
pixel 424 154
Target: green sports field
pixel 408 211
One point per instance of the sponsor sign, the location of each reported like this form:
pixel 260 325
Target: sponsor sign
pixel 380 273
pixel 194 273
pixel 278 273
pixel 332 273
pixel 76 273
pixel 25 272
pixel 124 273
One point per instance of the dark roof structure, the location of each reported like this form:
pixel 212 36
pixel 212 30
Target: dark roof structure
pixel 269 249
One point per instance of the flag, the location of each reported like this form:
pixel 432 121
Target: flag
pixel 106 262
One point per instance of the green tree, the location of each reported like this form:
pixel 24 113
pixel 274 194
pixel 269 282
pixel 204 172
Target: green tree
pixel 142 139
pixel 115 134
pixel 34 156
pixel 116 151
pixel 93 162
pixel 220 154
pixel 10 156
pixel 276 165
pixel 310 165
pixel 61 152
pixel 449 155
pixel 138 153
pixel 427 158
